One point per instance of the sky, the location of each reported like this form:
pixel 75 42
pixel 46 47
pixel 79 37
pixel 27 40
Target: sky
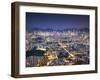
pixel 55 21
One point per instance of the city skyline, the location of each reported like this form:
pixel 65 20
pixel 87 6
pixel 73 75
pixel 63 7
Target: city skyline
pixel 57 39
pixel 55 21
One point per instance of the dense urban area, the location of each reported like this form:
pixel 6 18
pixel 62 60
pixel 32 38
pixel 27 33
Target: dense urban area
pixel 57 48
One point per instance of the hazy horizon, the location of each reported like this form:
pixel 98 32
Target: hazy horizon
pixel 59 22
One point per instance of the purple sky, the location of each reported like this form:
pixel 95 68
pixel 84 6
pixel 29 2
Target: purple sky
pixel 56 21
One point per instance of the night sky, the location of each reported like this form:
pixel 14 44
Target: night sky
pixel 55 21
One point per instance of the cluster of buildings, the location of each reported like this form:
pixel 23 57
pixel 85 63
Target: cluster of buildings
pixel 58 47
